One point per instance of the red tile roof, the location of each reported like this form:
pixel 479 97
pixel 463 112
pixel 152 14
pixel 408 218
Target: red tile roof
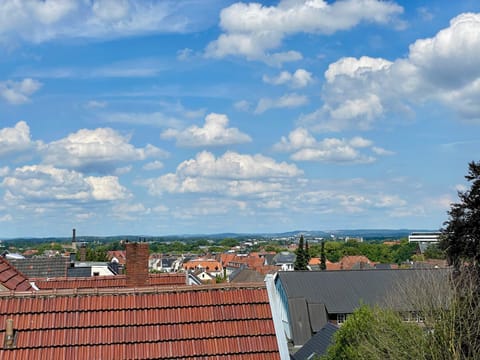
pixel 147 323
pixel 106 281
pixel 120 255
pixel 207 264
pixel 11 278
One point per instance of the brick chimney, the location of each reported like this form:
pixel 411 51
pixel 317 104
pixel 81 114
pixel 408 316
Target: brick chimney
pixel 83 252
pixel 137 263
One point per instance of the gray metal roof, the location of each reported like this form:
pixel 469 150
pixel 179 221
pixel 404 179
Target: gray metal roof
pixel 247 275
pixel 284 257
pixel 343 291
pixel 318 344
pixel 85 271
pixel 42 267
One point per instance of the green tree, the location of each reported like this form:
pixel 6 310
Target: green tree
pixel 333 251
pixel 98 253
pixel 301 261
pixel 377 334
pixel 461 232
pixel 228 242
pixel 433 251
pixel 323 258
pixel 307 252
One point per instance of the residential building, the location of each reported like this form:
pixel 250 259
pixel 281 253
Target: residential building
pixel 139 321
pixel 284 260
pixel 421 237
pixel 308 300
pixel 206 322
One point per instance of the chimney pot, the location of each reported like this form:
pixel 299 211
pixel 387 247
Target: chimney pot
pixel 9 335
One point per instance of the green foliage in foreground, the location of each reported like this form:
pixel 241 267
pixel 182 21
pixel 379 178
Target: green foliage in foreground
pixel 450 331
pixel 377 334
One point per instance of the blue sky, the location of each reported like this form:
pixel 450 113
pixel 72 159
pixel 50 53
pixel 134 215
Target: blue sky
pixel 204 116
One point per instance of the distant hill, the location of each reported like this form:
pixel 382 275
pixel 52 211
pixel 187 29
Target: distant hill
pixel 367 234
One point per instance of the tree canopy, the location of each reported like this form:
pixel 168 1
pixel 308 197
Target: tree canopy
pixel 461 232
pixel 301 261
pixel 376 334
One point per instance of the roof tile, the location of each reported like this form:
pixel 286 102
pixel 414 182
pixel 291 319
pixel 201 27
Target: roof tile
pixel 11 278
pixel 208 322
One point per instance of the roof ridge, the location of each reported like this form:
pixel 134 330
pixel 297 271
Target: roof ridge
pixel 127 291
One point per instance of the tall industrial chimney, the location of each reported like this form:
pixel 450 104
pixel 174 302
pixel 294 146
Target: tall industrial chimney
pixel 74 240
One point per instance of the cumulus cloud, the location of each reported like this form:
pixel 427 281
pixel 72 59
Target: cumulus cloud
pixel 299 79
pixel 210 206
pixel 153 165
pixel 444 68
pixel 100 150
pixel 16 140
pixel 232 174
pixel 215 132
pixel 286 101
pixel 338 201
pixel 256 31
pixel 44 183
pixel 40 21
pixel 304 147
pixel 18 92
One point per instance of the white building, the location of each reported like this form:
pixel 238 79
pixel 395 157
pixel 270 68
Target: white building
pixel 430 237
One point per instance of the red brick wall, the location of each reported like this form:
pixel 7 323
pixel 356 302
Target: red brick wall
pixel 137 264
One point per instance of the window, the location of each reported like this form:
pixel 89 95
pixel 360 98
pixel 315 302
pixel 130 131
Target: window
pixel 96 273
pixel 341 318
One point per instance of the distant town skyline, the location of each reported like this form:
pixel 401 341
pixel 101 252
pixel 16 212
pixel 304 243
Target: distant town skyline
pixel 212 116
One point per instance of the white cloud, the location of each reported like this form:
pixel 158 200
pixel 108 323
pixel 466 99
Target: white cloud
pixel 95 104
pixel 18 92
pixel 41 183
pixel 6 217
pixel 130 211
pixel 285 101
pixel 185 54
pixel 215 132
pixel 40 21
pixel 242 105
pixel 349 200
pixel 254 31
pixel 444 68
pixel 304 147
pixel 16 140
pixel 299 79
pixel 154 165
pixel 99 150
pixel 381 151
pixel 134 68
pixel 232 174
pixel 232 165
pixel 355 68
pixel 389 201
pixel 171 115
pixel 210 206
pixel 4 171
